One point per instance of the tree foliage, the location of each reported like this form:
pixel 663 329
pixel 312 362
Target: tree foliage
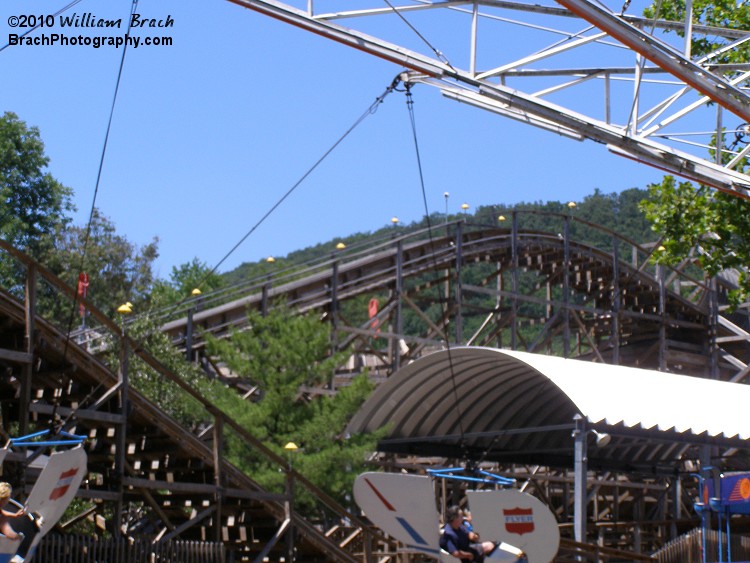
pixel 144 330
pixel 713 226
pixel 119 271
pixel 35 217
pixel 729 14
pixel 284 353
pixel 33 205
pixel 183 280
pixel 690 218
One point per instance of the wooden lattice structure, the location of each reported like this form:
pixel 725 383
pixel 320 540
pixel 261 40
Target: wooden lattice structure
pixel 540 290
pixel 149 476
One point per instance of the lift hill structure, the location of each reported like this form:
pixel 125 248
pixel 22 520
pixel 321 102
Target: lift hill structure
pixel 169 482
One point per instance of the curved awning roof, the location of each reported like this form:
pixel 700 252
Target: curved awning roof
pixel 502 405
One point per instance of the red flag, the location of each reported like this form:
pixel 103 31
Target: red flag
pixel 372 309
pixel 83 285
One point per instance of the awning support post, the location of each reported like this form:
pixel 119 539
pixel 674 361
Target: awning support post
pixel 580 467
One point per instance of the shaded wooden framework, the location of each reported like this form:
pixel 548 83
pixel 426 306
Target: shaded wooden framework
pixel 539 291
pixel 536 289
pixel 520 413
pixel 149 476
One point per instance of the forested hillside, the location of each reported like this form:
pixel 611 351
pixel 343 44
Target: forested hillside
pixel 618 212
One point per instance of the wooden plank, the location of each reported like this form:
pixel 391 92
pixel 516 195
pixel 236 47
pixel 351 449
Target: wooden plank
pixel 15 356
pixel 200 488
pixel 84 414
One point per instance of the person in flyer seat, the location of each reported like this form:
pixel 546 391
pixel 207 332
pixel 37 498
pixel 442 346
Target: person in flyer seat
pixel 461 543
pixel 5 516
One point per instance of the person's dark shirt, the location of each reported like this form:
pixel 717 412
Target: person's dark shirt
pixel 452 540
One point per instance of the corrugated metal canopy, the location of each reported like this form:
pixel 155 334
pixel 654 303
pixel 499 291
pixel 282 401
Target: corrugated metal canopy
pixel 502 405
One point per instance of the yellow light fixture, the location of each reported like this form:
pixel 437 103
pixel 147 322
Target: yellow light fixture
pixel 464 206
pixel 291 447
pixel 195 291
pixel 341 246
pixel 270 259
pixel 571 204
pixel 501 218
pixel 125 308
pixel 394 220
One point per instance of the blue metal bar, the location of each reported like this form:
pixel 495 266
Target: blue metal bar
pixel 22 439
pixel 79 437
pixel 49 443
pixel 487 477
pixel 718 529
pixel 729 538
pixel 705 513
pixel 28 436
pixel 498 478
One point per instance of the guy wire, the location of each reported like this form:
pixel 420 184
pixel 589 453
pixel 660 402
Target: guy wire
pixel 373 107
pixel 81 268
pixel 412 119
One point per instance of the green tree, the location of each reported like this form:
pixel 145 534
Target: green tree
pixel 713 225
pixel 144 330
pixel 693 218
pixel 285 354
pixel 33 205
pixel 119 271
pixel 729 14
pixel 183 280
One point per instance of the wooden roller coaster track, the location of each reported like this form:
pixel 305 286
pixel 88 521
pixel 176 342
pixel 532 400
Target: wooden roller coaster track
pixel 539 289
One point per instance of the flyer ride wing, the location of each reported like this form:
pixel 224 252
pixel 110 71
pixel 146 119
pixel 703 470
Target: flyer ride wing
pixel 517 519
pixel 403 506
pixel 56 486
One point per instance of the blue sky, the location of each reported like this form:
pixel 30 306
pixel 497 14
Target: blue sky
pixel 209 133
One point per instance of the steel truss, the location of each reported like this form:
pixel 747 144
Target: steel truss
pixel 658 105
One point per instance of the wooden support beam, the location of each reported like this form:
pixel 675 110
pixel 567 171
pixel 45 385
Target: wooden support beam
pixel 16 356
pixel 274 540
pixel 200 488
pixel 185 525
pixel 28 369
pixel 218 453
pixel 83 414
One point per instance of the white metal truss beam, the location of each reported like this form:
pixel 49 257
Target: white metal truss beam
pixel 715 87
pixel 348 37
pixel 658 145
pixel 546 116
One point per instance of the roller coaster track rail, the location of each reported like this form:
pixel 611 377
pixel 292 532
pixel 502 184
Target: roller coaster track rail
pixel 586 301
pixel 137 451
